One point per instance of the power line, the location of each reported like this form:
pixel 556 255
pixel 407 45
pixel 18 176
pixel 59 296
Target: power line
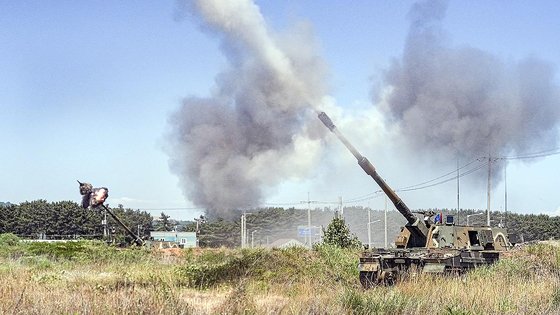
pixel 533 155
pixel 377 194
pixel 281 204
pixel 442 176
pixel 468 172
pixel 545 153
pixel 171 209
pixel 372 195
pixel 415 186
pixel 418 186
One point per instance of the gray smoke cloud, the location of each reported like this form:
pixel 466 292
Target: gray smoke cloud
pixel 461 101
pixel 250 133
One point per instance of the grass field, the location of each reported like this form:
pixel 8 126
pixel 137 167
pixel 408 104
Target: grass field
pixel 93 278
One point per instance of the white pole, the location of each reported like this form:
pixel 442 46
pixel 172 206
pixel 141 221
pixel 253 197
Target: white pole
pixel 309 218
pixel 458 208
pixel 245 234
pixel 105 232
pixel 385 221
pixel 252 239
pixel 370 222
pixel 505 192
pixel 489 189
pixel 369 228
pixel 242 230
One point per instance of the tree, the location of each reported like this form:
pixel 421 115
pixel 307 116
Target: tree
pixel 163 223
pixel 338 234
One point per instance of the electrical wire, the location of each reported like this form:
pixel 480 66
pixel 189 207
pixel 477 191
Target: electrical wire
pixel 442 176
pixel 468 172
pixel 170 209
pixel 418 186
pixel 544 153
pixel 422 184
pixel 372 195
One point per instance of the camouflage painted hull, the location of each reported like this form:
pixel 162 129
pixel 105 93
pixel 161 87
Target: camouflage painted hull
pixel 386 266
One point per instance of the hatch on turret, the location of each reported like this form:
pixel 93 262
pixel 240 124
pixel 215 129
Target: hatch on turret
pixel 481 238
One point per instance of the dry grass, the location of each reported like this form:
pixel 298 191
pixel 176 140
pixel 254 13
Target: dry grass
pixel 268 282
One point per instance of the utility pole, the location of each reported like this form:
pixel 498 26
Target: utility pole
pixel 369 228
pixel 489 190
pixel 458 208
pixel 385 221
pixel 253 238
pixel 243 230
pixel 340 207
pixel 505 193
pixel 369 225
pixel 104 222
pixel 137 238
pixel 200 220
pixel 308 217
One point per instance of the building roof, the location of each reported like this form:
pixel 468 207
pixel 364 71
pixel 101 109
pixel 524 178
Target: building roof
pixel 286 242
pixel 171 233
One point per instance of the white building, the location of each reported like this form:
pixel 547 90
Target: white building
pixel 183 239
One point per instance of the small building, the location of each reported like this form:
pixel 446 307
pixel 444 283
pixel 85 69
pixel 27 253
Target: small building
pixel 182 239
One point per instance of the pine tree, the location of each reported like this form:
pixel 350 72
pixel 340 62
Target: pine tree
pixel 163 223
pixel 338 234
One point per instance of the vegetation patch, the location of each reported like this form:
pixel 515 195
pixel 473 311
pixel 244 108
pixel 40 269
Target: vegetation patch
pixel 226 266
pixel 95 278
pixel 65 250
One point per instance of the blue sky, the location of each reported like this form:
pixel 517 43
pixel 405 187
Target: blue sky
pixel 86 88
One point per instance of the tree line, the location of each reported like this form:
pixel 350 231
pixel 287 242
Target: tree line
pixel 67 219
pixel 273 223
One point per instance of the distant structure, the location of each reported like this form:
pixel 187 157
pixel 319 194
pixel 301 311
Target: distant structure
pixel 286 243
pixel 180 239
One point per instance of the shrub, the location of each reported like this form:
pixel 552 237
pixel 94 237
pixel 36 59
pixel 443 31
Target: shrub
pixel 340 262
pixel 215 268
pixel 66 250
pixel 8 239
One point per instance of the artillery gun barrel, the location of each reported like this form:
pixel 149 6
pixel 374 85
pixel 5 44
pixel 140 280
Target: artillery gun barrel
pixel 136 238
pixel 366 165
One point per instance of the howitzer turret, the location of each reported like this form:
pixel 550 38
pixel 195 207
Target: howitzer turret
pixel 424 245
pixel 417 228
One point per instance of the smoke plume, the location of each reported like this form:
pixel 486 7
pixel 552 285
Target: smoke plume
pixel 251 133
pixel 465 102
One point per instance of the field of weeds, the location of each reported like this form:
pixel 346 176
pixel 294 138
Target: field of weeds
pixel 93 278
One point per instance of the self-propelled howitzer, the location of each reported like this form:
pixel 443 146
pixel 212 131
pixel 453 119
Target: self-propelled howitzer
pixel 429 246
pixel 418 230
